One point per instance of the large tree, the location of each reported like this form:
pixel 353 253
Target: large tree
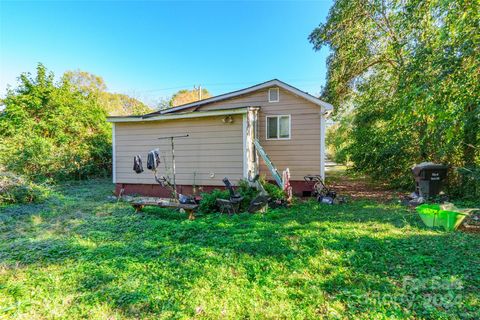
pixel 115 104
pixel 53 129
pixel 186 96
pixel 407 73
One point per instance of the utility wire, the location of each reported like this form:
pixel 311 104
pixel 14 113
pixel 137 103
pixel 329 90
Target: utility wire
pixel 304 80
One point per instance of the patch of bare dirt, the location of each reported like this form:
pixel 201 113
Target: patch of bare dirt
pixel 361 189
pixel 358 187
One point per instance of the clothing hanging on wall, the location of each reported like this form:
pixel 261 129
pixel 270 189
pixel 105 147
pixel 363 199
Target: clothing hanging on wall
pixel 153 159
pixel 137 164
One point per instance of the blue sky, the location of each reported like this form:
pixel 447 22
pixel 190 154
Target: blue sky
pixel 152 49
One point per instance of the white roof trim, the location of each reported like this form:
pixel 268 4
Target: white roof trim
pixel 326 106
pixel 179 115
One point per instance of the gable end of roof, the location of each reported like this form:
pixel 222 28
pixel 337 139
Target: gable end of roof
pixel 272 83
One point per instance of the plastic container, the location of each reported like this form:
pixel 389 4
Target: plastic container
pixel 451 220
pixel 429 178
pixel 433 216
pixel 429 214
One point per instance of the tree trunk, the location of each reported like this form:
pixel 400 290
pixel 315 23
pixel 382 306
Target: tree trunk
pixel 470 146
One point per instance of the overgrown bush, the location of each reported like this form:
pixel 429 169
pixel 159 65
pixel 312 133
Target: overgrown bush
pixel 247 192
pixel 274 191
pixel 469 181
pixel 16 189
pixel 209 200
pixel 53 130
pixel 337 142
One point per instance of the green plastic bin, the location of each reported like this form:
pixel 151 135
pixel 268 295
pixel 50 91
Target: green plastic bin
pixel 429 214
pixel 451 220
pixel 433 216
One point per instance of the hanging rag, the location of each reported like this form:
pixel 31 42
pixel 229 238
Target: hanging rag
pixel 153 159
pixel 137 164
pixel 287 187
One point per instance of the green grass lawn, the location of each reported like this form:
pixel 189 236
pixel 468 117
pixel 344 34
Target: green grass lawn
pixel 80 256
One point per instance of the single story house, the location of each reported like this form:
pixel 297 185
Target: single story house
pixel 288 123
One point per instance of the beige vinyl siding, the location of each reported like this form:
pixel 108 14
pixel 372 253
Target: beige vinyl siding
pixel 301 153
pixel 254 99
pixel 213 147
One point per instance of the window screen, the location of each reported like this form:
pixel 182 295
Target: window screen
pixel 272 128
pixel 284 125
pixel 278 127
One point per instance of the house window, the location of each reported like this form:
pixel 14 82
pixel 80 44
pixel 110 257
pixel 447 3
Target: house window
pixel 278 127
pixel 273 95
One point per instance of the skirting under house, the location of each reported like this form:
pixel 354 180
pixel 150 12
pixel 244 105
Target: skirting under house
pixel 300 188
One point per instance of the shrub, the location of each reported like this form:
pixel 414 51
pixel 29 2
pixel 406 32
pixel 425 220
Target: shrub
pixel 209 200
pixel 274 191
pixel 464 183
pixel 16 189
pixel 247 192
pixel 53 130
pixel 338 140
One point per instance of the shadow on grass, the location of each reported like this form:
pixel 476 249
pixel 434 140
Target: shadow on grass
pixel 148 263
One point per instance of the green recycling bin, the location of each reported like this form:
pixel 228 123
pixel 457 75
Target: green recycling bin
pixel 433 216
pixel 429 214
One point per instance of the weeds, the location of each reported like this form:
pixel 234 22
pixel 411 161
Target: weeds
pixel 80 256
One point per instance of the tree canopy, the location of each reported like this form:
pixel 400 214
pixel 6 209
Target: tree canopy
pixel 404 77
pixel 186 96
pixel 53 129
pixel 115 104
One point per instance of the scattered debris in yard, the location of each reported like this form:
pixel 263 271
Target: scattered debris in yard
pixel 429 179
pixel 232 205
pixel 141 202
pixel 321 192
pixel 431 204
pixel 472 222
pixel 17 189
pixel 445 215
pixel 112 198
pixel 260 202
pixel 96 253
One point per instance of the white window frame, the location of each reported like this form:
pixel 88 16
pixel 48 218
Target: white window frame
pixel 278 95
pixel 278 126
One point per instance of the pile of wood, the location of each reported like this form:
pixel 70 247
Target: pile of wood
pixel 472 222
pixel 141 202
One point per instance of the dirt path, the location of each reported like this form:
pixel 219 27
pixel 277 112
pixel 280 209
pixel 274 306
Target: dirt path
pixel 357 187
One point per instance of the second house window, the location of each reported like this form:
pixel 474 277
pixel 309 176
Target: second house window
pixel 278 127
